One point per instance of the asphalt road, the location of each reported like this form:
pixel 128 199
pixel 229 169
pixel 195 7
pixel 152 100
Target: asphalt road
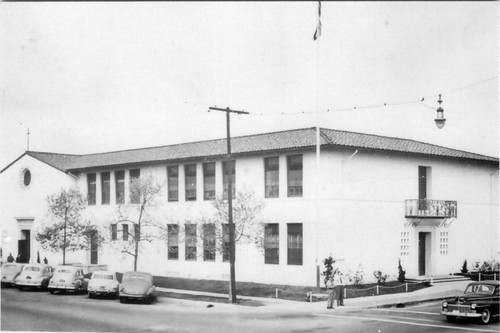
pixel 40 311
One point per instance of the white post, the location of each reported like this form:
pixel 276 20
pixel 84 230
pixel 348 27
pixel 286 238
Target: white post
pixel 406 286
pixel 377 289
pixel 479 276
pixel 310 297
pixel 276 292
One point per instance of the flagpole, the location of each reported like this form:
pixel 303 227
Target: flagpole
pixel 317 34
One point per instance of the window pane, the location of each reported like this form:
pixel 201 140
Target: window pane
pixel 113 232
pixel 271 166
pixel 209 242
pixel 125 232
pixel 134 174
pixel 120 186
pixel 105 187
pixel 190 181
pixel 173 241
pixel 190 243
pixel 294 164
pixel 91 188
pixel 271 244
pixel 173 182
pixel 209 181
pixel 225 250
pixel 225 180
pixel 294 245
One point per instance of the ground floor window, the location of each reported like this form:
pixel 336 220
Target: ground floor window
pixel 405 243
pixel 190 242
pixel 173 241
pixel 209 242
pixel 443 242
pixel 294 243
pixel 271 243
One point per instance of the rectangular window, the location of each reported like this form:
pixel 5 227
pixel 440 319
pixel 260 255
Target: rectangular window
pixel 271 244
pixel 294 164
pixel 227 243
pixel 173 182
pixel 423 186
pixel 91 188
pixel 209 242
pixel 294 243
pixel 134 195
pixel 272 177
pixel 190 243
pixel 120 186
pixel 125 232
pixel 105 188
pixel 209 181
pixel 190 181
pixel 225 180
pixel 173 241
pixel 113 231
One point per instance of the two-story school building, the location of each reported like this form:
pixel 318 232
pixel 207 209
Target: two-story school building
pixel 365 199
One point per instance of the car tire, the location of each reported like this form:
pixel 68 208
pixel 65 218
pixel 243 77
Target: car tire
pixel 20 288
pixel 485 316
pixel 52 291
pixel 90 295
pixel 122 300
pixel 451 319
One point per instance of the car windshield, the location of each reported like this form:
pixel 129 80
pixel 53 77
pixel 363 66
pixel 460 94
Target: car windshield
pixel 138 276
pixel 480 289
pixel 9 267
pixel 64 270
pixel 103 276
pixel 32 269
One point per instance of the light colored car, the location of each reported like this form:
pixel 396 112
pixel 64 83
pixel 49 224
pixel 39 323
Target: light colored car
pixel 68 278
pixel 137 286
pixel 103 283
pixel 9 272
pixel 34 276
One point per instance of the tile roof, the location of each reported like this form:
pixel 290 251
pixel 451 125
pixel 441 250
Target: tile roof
pixel 285 140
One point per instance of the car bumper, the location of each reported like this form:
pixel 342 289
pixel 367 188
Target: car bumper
pixel 28 284
pixel 103 292
pixel 61 287
pixel 458 314
pixel 135 296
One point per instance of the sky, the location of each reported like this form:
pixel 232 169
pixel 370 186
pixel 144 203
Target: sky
pixel 96 77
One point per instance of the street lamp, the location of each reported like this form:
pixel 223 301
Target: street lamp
pixel 440 120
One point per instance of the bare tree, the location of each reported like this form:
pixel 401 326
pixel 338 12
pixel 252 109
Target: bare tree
pixel 143 194
pixel 66 230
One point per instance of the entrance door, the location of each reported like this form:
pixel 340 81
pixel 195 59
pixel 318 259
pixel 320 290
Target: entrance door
pixel 24 247
pixel 93 247
pixel 423 252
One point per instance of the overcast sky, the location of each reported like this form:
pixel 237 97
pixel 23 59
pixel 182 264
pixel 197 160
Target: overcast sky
pixel 94 77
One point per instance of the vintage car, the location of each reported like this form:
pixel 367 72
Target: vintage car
pixel 480 300
pixel 34 276
pixel 103 283
pixel 68 278
pixel 137 286
pixel 9 272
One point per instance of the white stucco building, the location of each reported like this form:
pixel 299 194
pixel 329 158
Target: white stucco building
pixel 370 200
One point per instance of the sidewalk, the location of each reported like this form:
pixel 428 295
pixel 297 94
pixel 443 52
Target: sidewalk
pixel 437 291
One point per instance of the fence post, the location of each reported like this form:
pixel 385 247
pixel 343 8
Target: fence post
pixel 311 297
pixel 479 276
pixel 276 292
pixel 377 289
pixel 406 286
pixel 345 292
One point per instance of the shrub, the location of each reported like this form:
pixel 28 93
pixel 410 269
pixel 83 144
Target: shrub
pixel 329 271
pixel 356 278
pixel 401 272
pixel 464 267
pixel 380 277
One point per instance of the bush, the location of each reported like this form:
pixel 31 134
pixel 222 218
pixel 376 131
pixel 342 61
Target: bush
pixel 356 278
pixel 464 267
pixel 380 277
pixel 329 271
pixel 401 272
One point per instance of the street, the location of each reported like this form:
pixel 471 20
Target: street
pixel 40 311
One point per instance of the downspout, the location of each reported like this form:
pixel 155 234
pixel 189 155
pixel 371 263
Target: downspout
pixel 342 174
pixel 492 212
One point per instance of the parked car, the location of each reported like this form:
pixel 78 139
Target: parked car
pixel 480 300
pixel 9 272
pixel 34 276
pixel 68 278
pixel 137 286
pixel 103 283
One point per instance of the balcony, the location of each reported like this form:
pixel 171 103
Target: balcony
pixel 430 209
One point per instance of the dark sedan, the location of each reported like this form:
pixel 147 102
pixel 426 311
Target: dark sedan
pixel 480 300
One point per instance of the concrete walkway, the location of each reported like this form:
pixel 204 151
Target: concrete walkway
pixel 437 291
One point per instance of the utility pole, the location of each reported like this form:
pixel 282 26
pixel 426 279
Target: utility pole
pixel 232 245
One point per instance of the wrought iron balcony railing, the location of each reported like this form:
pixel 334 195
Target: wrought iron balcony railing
pixel 430 208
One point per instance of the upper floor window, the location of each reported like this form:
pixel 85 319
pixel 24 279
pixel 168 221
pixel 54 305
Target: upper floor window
pixel 423 186
pixel 225 181
pixel 91 188
pixel 120 186
pixel 294 165
pixel 134 195
pixel 173 241
pixel 173 182
pixel 105 188
pixel 272 173
pixel 190 243
pixel 209 181
pixel 190 181
pixel 294 240
pixel 271 243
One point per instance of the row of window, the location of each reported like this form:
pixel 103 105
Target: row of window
pixel 271 181
pixel 209 238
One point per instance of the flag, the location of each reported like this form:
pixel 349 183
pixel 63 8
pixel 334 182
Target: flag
pixel 317 33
